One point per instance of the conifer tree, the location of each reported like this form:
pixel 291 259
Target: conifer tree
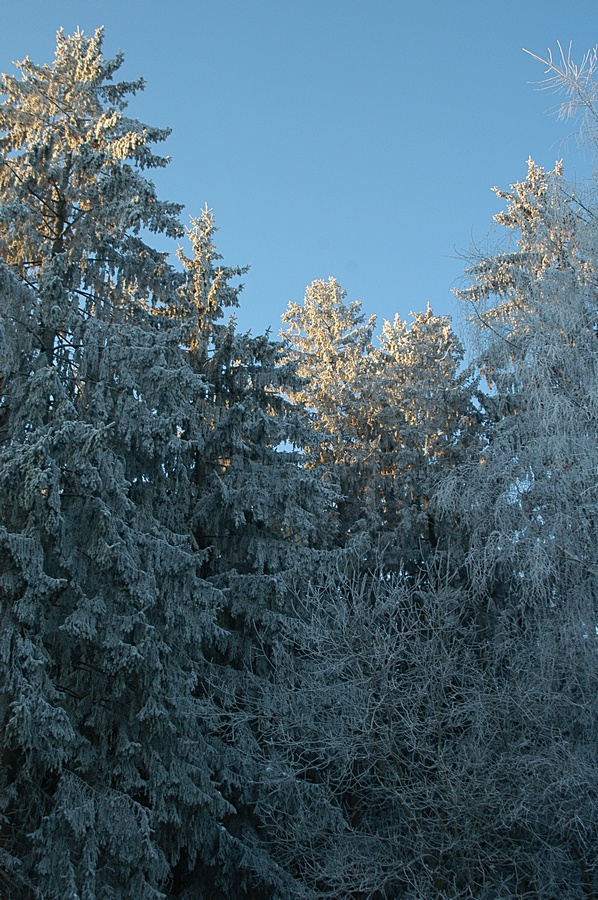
pixel 422 406
pixel 527 502
pixel 535 313
pixel 119 775
pixel 255 506
pixel 388 420
pixel 330 342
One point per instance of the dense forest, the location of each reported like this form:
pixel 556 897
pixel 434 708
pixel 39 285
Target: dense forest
pixel 312 617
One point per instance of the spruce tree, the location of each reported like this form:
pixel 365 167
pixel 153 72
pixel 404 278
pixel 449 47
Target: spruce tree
pixel 534 310
pixel 120 417
pixel 388 421
pixel 422 404
pixel 330 343
pixel 255 504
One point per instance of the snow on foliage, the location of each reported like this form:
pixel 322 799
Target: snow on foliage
pixel 307 618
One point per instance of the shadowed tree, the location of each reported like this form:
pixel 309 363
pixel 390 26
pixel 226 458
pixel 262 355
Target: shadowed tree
pixel 123 409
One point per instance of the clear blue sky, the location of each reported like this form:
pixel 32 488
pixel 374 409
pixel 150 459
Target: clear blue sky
pixel 354 138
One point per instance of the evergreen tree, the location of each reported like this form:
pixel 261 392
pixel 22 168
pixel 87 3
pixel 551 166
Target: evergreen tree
pixel 422 404
pixel 534 482
pixel 388 421
pixel 255 505
pixel 119 774
pixel 198 698
pixel 330 342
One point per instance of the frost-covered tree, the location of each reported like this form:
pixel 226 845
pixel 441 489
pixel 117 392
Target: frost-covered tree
pixel 413 757
pixel 330 341
pixel 441 740
pixel 425 419
pixel 255 506
pixel 196 698
pixel 118 777
pixel 527 502
pixel 388 419
pixel 531 492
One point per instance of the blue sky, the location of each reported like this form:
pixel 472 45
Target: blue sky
pixel 354 138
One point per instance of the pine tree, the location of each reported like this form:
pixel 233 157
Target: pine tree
pixel 422 404
pixel 119 774
pixel 255 505
pixel 535 312
pixel 264 523
pixel 527 503
pixel 330 342
pixel 388 421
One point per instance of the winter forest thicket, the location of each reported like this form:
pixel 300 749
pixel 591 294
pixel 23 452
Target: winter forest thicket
pixel 308 618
